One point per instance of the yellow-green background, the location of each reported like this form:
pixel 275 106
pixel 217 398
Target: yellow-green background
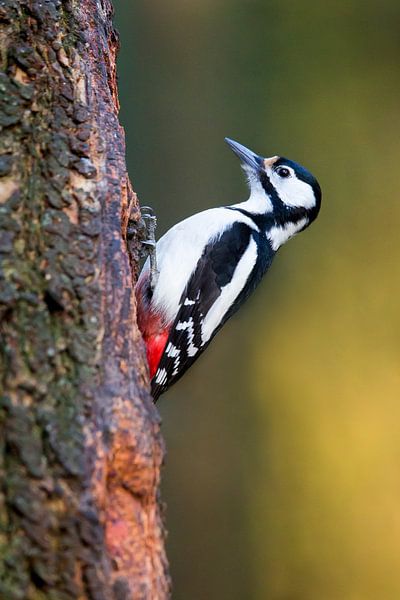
pixel 282 479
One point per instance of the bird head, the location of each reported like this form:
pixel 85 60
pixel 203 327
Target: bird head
pixel 279 185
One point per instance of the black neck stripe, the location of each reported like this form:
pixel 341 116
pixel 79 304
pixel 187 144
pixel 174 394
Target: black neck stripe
pixel 271 191
pixel 265 221
pixel 262 221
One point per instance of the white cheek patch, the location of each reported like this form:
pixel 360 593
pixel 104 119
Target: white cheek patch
pixel 280 234
pixel 294 192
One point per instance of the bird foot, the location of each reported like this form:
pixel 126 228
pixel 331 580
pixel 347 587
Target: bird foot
pixel 149 243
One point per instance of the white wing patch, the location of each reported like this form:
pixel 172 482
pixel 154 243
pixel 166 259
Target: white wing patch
pixel 230 292
pixel 161 376
pixel 189 327
pixel 174 352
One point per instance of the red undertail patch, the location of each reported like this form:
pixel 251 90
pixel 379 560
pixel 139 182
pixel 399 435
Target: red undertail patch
pixel 155 346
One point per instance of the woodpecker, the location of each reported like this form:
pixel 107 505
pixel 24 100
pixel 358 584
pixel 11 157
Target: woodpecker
pixel 210 263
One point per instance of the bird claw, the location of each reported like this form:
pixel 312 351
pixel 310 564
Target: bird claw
pixel 149 244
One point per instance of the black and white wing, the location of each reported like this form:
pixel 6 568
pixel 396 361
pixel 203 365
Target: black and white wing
pixel 227 272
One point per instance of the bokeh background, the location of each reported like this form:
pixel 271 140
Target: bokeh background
pixel 282 479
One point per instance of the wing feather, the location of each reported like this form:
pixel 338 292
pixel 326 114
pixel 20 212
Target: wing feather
pixel 207 289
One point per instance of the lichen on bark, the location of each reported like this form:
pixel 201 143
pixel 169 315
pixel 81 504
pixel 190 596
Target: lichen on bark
pixel 81 450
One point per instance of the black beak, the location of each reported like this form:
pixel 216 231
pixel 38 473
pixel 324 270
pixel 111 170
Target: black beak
pixel 246 156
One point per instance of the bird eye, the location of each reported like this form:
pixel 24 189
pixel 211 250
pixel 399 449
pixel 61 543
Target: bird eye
pixel 283 172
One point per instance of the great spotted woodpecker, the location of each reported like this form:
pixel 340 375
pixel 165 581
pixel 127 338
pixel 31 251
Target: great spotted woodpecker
pixel 209 263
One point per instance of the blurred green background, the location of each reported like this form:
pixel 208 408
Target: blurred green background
pixel 282 479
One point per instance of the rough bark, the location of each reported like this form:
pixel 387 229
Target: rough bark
pixel 80 445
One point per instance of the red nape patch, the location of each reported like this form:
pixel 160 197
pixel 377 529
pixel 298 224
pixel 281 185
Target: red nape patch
pixel 155 346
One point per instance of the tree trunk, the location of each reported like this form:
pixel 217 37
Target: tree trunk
pixel 81 449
